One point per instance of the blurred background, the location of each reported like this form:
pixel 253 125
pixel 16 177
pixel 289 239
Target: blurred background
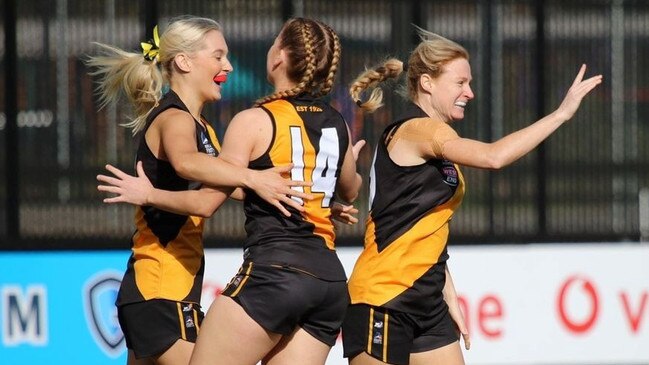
pixel 587 184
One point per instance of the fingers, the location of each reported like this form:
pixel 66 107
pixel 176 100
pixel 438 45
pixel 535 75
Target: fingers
pixel 298 194
pixel 357 147
pixel 580 75
pixel 139 169
pixel 296 183
pixel 117 199
pixel 467 341
pixel 115 171
pixel 281 208
pixel 109 189
pixel 285 200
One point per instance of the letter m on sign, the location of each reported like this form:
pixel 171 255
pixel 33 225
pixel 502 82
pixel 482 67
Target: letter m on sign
pixel 24 315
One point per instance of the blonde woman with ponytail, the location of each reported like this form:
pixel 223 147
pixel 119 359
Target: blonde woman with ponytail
pixel 404 308
pixel 158 301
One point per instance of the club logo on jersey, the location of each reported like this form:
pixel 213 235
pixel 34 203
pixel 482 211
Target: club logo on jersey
pixel 189 322
pixel 99 295
pixel 207 145
pixel 377 339
pixel 449 173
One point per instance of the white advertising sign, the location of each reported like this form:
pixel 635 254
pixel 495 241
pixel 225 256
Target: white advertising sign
pixel 531 304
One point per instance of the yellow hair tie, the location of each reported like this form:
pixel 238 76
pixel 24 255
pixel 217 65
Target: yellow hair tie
pixel 151 49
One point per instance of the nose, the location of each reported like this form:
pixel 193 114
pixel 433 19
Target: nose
pixel 227 66
pixel 468 92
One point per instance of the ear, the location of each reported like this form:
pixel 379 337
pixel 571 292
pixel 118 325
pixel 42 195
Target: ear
pixel 426 83
pixel 278 59
pixel 182 62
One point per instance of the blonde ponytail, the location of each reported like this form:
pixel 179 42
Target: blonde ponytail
pixel 139 79
pixel 371 78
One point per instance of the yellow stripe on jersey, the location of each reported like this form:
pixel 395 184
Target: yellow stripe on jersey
pixel 243 281
pixel 183 335
pixel 167 271
pixel 213 139
pixel 386 320
pixel 369 331
pixel 196 321
pixel 379 277
pixel 281 153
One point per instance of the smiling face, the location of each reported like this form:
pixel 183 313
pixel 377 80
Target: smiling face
pixel 209 62
pixel 449 93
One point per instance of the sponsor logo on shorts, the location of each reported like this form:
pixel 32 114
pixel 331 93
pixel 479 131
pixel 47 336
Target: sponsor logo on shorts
pixel 189 322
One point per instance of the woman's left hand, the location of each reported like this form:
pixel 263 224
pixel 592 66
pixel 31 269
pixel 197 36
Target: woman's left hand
pixel 344 213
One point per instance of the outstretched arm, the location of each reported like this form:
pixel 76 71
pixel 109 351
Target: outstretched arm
pixel 138 190
pixel 510 148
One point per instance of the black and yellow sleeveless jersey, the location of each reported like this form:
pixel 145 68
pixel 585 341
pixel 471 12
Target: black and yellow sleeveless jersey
pixel 403 260
pixel 167 261
pixel 311 135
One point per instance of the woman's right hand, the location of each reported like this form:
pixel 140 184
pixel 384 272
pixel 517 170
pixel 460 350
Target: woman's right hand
pixel 578 90
pixel 129 189
pixel 272 186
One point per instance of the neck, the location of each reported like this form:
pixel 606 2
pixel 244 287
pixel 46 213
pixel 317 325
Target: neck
pixel 283 84
pixel 424 102
pixel 189 97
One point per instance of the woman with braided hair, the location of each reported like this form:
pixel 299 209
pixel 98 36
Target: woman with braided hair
pixel 404 308
pixel 287 302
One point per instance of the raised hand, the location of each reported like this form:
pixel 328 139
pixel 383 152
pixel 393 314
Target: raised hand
pixel 129 189
pixel 578 90
pixel 273 187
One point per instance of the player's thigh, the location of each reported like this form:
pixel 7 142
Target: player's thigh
pixel 178 354
pixel 132 360
pixel 364 358
pixel 299 347
pixel 230 337
pixel 450 354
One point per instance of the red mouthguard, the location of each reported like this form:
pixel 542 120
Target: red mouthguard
pixel 221 78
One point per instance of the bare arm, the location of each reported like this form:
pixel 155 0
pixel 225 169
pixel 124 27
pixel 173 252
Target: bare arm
pixel 138 190
pixel 350 181
pixel 177 132
pixel 243 135
pixel 510 148
pixel 450 297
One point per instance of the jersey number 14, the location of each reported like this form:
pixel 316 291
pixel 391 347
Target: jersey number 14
pixel 326 163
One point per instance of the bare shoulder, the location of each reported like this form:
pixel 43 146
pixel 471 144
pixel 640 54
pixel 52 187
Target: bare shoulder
pixel 174 117
pixel 251 116
pixel 250 120
pixel 428 127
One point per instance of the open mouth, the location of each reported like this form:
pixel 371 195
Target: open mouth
pixel 460 104
pixel 220 79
